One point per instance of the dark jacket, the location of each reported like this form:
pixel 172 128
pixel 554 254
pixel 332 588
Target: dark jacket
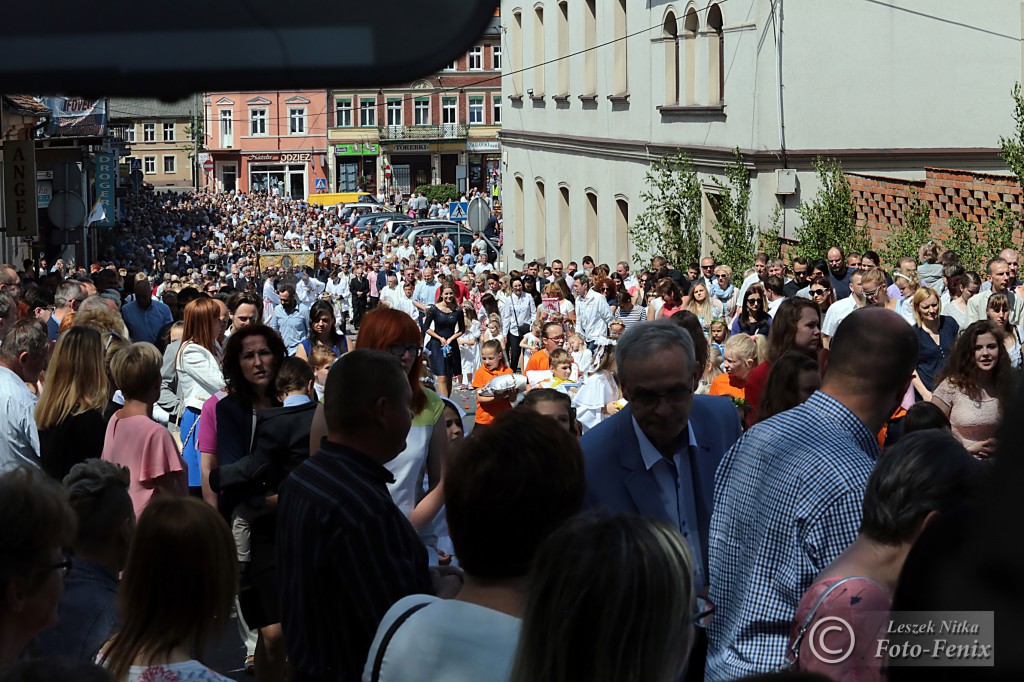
pixel 281 443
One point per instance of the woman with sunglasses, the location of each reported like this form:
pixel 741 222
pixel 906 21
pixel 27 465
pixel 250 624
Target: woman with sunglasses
pixel 753 317
pixel 821 292
pixel 723 289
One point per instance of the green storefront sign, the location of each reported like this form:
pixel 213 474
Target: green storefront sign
pixel 356 149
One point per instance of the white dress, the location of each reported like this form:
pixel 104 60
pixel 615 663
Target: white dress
pixel 594 394
pixel 471 352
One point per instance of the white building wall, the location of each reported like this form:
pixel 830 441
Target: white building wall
pixel 886 90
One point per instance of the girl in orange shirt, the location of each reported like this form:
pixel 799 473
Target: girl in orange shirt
pixel 492 360
pixel 740 357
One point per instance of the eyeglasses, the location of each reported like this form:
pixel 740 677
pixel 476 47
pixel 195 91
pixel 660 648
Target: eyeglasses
pixel 64 566
pixel 113 335
pixel 818 292
pixel 560 337
pixel 649 400
pixel 705 609
pixel 723 276
pixel 707 267
pixel 872 294
pixel 400 349
pixel 753 299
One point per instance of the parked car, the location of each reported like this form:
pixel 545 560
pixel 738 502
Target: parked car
pixel 461 235
pixel 375 221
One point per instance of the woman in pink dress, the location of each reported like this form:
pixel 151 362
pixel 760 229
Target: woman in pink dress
pixel 133 439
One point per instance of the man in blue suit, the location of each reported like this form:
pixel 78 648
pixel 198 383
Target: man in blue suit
pixel 657 457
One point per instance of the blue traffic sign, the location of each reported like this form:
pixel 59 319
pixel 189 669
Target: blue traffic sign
pixel 136 164
pixel 321 183
pixel 457 210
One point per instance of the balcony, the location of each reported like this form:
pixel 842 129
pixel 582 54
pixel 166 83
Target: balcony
pixel 446 131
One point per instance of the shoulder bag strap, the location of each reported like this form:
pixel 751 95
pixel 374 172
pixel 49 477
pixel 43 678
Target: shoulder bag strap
pixel 378 660
pixel 794 648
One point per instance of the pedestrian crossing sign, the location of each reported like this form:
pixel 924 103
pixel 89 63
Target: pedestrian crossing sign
pixel 457 210
pixel 321 183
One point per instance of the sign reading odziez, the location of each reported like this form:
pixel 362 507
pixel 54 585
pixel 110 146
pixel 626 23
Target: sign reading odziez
pixel 20 188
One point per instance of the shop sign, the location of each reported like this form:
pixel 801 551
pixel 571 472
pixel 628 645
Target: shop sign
pixel 410 148
pixel 483 146
pixel 20 188
pixel 106 184
pixel 296 157
pixel 356 149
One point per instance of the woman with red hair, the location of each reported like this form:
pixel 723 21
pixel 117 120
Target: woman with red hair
pixel 426 446
pixel 197 365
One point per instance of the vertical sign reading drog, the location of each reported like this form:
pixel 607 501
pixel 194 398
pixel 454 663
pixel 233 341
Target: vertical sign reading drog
pixel 106 184
pixel 20 188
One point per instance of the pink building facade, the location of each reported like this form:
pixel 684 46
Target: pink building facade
pixel 271 142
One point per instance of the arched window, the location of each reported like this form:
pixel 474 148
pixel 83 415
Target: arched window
pixel 540 220
pixel 564 224
pixel 518 205
pixel 516 58
pixel 589 45
pixel 562 86
pixel 620 82
pixel 591 221
pixel 691 27
pixel 538 52
pixel 621 228
pixel 670 40
pixel 716 57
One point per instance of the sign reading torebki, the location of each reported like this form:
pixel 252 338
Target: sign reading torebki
pixel 410 148
pixel 292 157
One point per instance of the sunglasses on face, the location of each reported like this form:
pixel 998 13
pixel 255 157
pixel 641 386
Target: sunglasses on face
pixel 818 292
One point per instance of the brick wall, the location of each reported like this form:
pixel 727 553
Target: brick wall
pixel 880 201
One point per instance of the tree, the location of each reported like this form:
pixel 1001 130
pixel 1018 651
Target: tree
pixel 905 239
pixel 734 234
pixel 444 193
pixel 768 239
pixel 1013 147
pixel 669 225
pixel 999 231
pixel 963 239
pixel 829 219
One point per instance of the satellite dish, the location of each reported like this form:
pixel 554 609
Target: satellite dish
pixel 66 210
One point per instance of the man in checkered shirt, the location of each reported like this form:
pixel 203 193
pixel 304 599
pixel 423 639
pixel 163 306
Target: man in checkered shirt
pixel 788 494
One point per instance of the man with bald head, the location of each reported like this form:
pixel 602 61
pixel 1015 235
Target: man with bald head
pixel 788 495
pixel 146 316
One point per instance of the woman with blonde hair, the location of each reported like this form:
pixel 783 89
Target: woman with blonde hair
pixel 936 334
pixel 704 306
pixel 639 578
pixel 565 307
pixel 69 414
pixel 176 594
pixel 199 376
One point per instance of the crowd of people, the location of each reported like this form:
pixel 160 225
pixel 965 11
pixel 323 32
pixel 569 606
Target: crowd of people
pixel 672 473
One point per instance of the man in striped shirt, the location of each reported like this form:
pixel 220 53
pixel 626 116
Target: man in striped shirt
pixel 788 495
pixel 345 551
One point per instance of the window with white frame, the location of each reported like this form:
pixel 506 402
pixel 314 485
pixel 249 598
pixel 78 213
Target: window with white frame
pixel 476 58
pixel 496 57
pixel 257 121
pixel 343 108
pixel 149 132
pixel 296 120
pixel 227 129
pixel 496 110
pixel 449 110
pixel 394 112
pixel 168 132
pixel 131 133
pixel 170 164
pixel 367 113
pixel 421 111
pixel 149 165
pixel 476 110
pixel 454 66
